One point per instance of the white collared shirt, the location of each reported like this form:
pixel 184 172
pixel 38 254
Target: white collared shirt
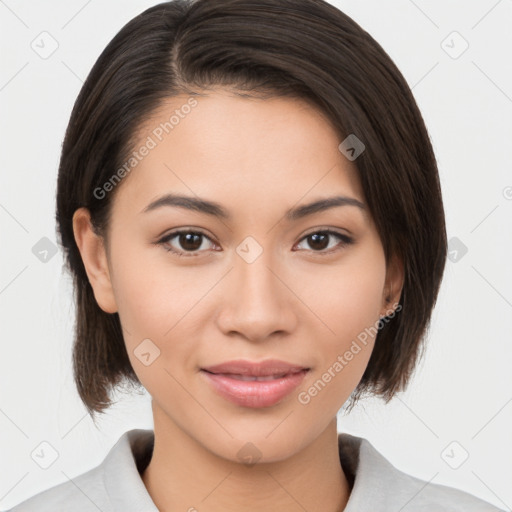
pixel 116 484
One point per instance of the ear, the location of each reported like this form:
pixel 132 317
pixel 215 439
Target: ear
pixel 94 257
pixel 393 285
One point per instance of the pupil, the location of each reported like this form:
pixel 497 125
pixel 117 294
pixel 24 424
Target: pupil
pixel 185 241
pixel 316 237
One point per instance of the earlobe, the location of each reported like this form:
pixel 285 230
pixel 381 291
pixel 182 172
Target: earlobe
pixel 393 287
pixel 94 257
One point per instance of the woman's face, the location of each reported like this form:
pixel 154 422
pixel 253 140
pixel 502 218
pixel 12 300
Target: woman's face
pixel 257 284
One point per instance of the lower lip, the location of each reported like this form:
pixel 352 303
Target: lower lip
pixel 254 393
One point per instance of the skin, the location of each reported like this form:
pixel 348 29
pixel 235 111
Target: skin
pixel 257 158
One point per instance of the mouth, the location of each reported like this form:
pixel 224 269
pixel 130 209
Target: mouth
pixel 254 385
pixel 249 378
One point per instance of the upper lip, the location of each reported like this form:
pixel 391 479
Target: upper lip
pixel 256 369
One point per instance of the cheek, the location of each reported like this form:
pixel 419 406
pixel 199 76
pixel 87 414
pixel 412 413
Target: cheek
pixel 159 306
pixel 360 300
pixel 350 308
pixel 348 302
pixel 348 298
pixel 151 293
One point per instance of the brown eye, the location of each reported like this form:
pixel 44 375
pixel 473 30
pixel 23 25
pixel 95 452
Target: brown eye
pixel 319 241
pixel 187 241
pixel 190 241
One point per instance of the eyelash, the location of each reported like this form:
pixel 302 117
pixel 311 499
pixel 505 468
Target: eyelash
pixel 345 241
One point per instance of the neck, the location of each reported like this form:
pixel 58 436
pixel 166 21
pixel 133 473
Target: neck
pixel 184 475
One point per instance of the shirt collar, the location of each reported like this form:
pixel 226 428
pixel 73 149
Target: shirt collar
pixel 127 459
pixel 121 477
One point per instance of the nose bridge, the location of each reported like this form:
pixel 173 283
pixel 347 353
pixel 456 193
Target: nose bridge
pixel 256 282
pixel 257 302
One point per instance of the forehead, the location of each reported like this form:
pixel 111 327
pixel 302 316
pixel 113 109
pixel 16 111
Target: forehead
pixel 249 151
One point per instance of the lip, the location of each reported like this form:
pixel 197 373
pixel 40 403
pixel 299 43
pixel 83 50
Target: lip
pixel 236 381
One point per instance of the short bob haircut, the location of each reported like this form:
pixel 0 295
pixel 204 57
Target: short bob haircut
pixel 305 49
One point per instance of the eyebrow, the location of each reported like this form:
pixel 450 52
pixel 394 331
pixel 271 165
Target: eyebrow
pixel 216 210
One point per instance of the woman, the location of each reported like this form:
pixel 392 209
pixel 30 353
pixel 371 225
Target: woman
pixel 250 207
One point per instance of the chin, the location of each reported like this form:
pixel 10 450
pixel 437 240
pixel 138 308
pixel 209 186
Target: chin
pixel 260 444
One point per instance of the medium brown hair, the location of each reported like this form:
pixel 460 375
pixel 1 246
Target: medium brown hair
pixel 301 48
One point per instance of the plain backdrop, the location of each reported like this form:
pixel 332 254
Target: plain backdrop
pixel 456 58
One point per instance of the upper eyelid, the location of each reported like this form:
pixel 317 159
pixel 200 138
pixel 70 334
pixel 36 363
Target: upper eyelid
pixel 178 231
pixel 334 231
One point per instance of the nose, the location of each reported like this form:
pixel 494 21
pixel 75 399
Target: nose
pixel 257 300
